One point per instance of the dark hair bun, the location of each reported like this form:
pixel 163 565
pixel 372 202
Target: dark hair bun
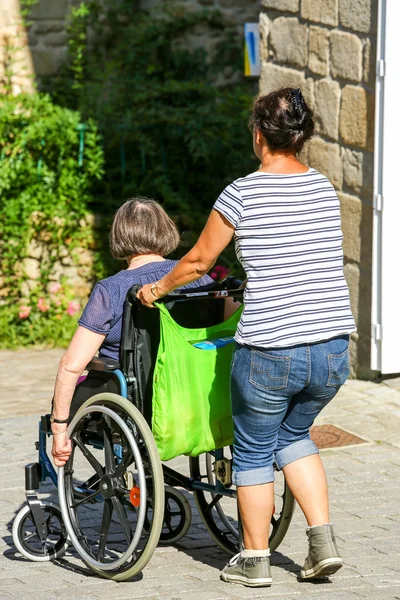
pixel 284 119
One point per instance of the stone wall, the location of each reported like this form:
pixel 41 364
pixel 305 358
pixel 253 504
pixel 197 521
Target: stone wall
pixel 74 267
pixel 327 48
pixel 15 54
pixel 44 49
pixel 58 264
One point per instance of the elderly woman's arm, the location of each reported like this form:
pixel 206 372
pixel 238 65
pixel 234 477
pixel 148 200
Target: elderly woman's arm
pixel 214 238
pixel 84 345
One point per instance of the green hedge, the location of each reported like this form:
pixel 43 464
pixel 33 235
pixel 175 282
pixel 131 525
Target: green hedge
pixel 48 164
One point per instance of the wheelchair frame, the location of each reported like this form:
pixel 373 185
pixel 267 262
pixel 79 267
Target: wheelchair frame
pixel 36 473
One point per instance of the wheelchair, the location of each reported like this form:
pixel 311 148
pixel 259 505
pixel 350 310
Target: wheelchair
pixel 117 500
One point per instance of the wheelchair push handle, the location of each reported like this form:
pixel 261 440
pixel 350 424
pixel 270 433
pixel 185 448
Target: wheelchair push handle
pixel 228 288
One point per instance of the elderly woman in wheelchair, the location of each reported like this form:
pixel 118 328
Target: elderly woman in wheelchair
pixel 112 428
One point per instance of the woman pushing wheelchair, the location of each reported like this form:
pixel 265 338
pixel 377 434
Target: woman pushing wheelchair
pixel 291 346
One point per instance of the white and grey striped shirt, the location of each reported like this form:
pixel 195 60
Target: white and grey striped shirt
pixel 289 242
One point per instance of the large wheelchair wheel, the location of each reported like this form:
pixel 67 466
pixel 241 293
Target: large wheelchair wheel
pixel 111 490
pixel 220 514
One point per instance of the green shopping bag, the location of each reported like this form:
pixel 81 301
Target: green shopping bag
pixel 191 400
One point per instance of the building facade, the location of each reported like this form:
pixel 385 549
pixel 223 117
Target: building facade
pixel 328 49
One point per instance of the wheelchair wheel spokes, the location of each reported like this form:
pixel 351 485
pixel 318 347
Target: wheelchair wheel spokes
pixel 27 539
pixel 104 528
pixel 283 511
pixel 219 512
pixel 177 516
pixel 228 521
pixel 109 455
pixel 104 488
pixel 92 460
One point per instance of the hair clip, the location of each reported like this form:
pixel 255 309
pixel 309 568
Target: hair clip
pixel 297 99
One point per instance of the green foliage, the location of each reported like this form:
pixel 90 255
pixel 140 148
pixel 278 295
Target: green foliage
pixel 11 48
pixel 44 192
pixel 77 42
pixel 170 129
pixel 25 10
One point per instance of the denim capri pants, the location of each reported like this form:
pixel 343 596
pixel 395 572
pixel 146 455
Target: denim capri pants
pixel 276 395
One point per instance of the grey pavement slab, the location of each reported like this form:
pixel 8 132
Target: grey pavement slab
pixel 364 485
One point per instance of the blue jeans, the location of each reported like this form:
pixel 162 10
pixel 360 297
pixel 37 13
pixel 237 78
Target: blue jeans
pixel 276 395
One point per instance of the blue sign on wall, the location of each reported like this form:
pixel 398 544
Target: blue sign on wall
pixel 252 67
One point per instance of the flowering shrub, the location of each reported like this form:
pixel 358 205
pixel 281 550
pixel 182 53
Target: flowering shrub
pixel 48 320
pixel 50 163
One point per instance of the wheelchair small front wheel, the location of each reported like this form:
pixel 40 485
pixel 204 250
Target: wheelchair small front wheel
pixel 26 537
pixel 177 517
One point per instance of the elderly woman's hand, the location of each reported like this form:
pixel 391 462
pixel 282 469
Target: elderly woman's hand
pixel 147 296
pixel 61 447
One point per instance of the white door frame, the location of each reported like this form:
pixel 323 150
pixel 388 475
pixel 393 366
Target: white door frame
pixel 385 331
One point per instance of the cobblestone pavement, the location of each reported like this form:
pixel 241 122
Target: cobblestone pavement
pixel 364 487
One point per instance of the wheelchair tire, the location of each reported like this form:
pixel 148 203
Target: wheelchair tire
pixel 222 524
pixel 119 417
pixel 26 538
pixel 178 519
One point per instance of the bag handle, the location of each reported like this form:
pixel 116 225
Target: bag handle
pixel 165 314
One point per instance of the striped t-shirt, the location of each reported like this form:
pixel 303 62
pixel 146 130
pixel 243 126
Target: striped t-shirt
pixel 289 242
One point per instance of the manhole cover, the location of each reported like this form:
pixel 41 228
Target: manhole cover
pixel 329 436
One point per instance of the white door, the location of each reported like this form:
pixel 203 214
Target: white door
pixel 385 334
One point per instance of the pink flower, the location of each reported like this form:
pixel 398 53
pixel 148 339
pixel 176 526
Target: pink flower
pixel 42 306
pixel 222 271
pixel 73 307
pixel 58 302
pixel 54 287
pixel 24 312
pixel 219 273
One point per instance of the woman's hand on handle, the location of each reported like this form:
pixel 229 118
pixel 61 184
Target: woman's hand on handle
pixel 146 295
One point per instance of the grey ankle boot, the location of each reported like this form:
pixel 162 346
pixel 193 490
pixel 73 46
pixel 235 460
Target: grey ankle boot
pixel 323 556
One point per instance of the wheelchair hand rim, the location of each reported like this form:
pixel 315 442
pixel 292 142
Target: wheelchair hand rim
pixel 142 481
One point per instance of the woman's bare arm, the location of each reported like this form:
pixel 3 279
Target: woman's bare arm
pixel 214 238
pixel 84 345
pixel 80 352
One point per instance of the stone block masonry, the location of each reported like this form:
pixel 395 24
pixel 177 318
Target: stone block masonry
pixel 43 49
pixel 327 48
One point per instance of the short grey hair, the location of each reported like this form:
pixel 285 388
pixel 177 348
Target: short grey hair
pixel 141 226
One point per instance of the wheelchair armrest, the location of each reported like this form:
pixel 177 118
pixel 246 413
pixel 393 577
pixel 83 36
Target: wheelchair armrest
pixel 45 422
pixel 100 363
